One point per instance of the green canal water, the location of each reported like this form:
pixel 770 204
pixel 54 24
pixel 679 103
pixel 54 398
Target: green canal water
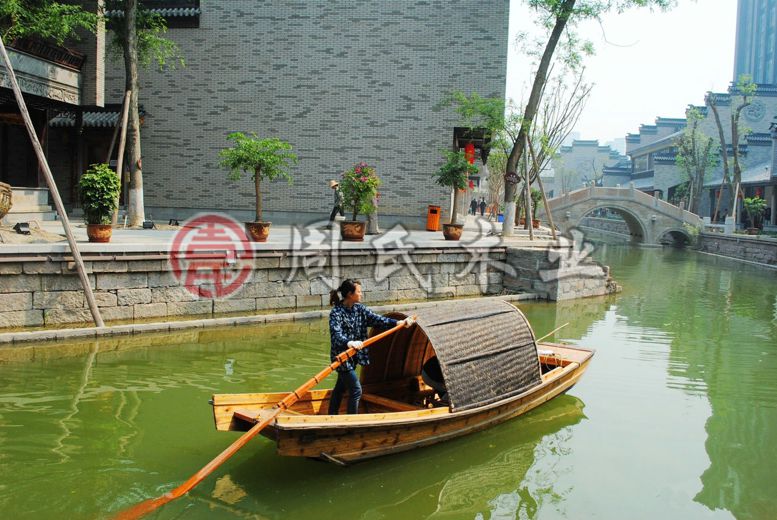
pixel 676 418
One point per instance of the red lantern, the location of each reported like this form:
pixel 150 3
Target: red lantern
pixel 471 185
pixel 469 152
pixel 758 193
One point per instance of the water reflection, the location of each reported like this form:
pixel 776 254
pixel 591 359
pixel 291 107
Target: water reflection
pixel 475 476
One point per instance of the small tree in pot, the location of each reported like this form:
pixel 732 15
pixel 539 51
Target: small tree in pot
pixel 453 174
pixel 755 207
pixel 99 193
pixel 262 159
pixel 359 187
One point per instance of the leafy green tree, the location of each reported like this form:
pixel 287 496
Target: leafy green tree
pixel 746 89
pixel 261 158
pixel 755 207
pixel 43 18
pixel 453 174
pixel 139 33
pixel 696 152
pixel 559 18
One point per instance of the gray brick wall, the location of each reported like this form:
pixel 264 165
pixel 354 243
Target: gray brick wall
pixel 342 81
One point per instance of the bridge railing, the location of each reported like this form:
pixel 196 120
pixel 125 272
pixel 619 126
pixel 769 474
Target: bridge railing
pixel 625 194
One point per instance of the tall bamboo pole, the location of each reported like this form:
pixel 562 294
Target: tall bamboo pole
pixel 98 320
pixel 542 189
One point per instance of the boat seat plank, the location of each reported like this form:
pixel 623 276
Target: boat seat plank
pixel 389 403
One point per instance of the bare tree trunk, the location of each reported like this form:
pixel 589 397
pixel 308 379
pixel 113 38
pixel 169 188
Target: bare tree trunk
pixel 257 187
pixel 455 208
pixel 723 150
pixel 136 207
pixel 564 11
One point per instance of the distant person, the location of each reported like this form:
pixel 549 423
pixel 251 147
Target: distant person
pixel 482 206
pixel 339 201
pixel 473 206
pixel 768 216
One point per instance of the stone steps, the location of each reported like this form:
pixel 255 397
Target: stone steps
pixel 30 204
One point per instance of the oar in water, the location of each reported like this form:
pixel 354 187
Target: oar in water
pixel 149 505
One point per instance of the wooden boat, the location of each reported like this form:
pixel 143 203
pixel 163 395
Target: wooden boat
pixel 491 364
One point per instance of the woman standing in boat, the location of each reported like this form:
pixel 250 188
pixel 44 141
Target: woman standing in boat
pixel 348 324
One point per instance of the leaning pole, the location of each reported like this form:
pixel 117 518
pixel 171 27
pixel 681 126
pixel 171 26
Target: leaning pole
pixel 44 165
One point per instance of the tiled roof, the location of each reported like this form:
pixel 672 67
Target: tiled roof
pixel 91 119
pixel 758 174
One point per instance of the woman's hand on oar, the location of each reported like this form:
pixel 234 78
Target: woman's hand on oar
pixel 149 505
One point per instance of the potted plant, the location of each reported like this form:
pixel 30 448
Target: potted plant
pixel 755 207
pixel 536 198
pixel 262 159
pixel 359 187
pixel 453 174
pixel 99 192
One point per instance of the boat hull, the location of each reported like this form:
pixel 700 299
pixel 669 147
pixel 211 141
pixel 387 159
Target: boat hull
pixel 344 439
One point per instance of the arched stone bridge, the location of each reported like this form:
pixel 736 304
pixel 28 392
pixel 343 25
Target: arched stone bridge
pixel 650 219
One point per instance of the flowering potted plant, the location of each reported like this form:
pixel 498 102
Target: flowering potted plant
pixel 453 174
pixel 359 187
pixel 262 159
pixel 99 191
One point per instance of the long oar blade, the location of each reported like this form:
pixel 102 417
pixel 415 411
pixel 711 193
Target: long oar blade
pixel 145 507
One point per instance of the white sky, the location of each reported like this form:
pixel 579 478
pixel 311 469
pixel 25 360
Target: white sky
pixel 655 64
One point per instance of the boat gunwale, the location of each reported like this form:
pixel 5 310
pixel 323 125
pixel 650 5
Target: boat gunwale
pixel 422 415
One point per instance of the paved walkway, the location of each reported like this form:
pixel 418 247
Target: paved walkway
pixel 478 233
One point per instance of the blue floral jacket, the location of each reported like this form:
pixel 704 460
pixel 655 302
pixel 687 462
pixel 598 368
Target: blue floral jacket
pixel 351 325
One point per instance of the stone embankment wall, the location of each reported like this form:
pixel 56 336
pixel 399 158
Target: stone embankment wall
pixel 762 250
pixel 557 274
pixel 46 291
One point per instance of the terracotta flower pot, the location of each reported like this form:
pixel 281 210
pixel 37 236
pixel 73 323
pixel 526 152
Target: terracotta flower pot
pixel 352 230
pixel 257 231
pixel 99 232
pixel 452 231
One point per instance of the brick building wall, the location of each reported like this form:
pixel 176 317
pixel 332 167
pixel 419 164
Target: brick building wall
pixel 342 81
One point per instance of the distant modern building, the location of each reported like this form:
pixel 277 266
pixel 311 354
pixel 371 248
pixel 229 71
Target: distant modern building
pixel 756 41
pixel 583 163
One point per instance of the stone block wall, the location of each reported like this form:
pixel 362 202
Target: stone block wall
pixel 607 224
pixel 48 292
pixel 762 250
pixel 540 273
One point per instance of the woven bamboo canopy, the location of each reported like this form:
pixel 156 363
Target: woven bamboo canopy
pixel 486 349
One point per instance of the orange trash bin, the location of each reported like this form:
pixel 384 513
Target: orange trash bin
pixel 433 218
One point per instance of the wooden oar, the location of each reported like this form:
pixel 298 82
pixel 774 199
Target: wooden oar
pixel 149 505
pixel 552 332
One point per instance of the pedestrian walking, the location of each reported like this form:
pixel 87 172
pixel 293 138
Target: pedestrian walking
pixel 473 206
pixel 482 206
pixel 339 201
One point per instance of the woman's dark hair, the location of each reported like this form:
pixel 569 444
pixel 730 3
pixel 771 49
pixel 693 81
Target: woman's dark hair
pixel 347 287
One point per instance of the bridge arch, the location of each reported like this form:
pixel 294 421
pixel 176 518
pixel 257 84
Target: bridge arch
pixel 633 222
pixel 649 219
pixel 675 236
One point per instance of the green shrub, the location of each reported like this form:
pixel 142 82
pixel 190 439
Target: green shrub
pixel 99 191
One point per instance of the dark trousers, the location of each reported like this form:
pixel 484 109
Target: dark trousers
pixel 349 380
pixel 336 210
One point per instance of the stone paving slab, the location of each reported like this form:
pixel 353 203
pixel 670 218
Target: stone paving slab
pixel 282 238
